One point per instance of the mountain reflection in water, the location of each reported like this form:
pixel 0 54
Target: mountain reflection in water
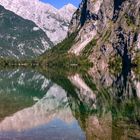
pixel 92 106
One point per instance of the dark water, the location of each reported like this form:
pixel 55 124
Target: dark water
pixel 43 106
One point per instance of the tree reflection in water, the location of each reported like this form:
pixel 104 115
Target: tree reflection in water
pixel 105 106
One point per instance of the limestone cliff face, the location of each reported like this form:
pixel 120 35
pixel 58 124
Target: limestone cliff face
pixel 90 19
pixel 109 28
pixel 91 11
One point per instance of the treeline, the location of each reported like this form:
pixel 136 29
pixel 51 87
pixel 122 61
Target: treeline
pixel 56 58
pixel 13 62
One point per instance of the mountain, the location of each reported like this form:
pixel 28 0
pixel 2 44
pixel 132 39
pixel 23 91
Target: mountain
pixel 20 38
pixel 54 22
pixel 105 32
pixel 108 32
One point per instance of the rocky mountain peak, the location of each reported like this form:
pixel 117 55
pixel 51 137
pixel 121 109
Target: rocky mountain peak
pixel 66 10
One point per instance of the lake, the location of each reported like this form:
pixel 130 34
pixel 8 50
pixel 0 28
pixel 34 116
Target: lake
pixel 44 106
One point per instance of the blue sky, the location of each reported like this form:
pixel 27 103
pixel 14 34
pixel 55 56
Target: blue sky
pixel 60 3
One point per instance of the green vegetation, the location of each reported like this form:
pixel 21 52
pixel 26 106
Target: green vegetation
pixel 7 62
pixel 136 62
pixel 89 81
pixel 59 57
pixel 62 47
pixel 89 48
pixel 129 20
pixel 115 64
pixel 137 71
pixel 131 23
pixel 137 59
pixel 106 36
pixel 12 63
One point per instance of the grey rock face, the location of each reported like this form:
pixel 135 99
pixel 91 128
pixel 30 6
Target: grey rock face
pixel 90 10
pixel 90 19
pixel 114 26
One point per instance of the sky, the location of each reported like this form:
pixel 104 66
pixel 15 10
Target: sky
pixel 60 3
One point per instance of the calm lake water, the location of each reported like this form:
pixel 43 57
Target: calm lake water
pixel 43 106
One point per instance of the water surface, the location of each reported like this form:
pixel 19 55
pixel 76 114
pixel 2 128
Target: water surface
pixel 43 106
